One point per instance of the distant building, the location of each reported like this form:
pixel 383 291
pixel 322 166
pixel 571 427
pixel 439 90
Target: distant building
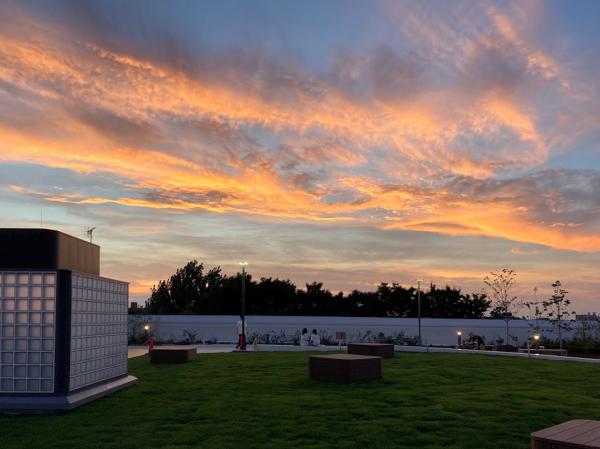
pixel 63 328
pixel 590 316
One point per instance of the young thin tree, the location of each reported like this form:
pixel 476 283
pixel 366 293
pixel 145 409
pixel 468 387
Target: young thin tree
pixel 534 311
pixel 500 284
pixel 556 310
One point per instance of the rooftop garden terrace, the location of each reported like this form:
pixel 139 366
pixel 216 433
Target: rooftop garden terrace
pixel 266 400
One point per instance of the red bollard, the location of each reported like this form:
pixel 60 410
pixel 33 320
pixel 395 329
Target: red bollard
pixel 151 344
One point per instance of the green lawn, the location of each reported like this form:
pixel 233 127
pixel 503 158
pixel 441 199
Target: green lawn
pixel 265 400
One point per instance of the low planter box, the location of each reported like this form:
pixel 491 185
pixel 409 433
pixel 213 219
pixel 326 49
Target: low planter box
pixel 344 368
pixel 376 349
pixel 172 354
pixel 574 434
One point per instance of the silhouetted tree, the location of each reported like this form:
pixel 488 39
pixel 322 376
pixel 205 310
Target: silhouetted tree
pixel 160 300
pixel 452 303
pixel 275 296
pixel 188 291
pixel 192 289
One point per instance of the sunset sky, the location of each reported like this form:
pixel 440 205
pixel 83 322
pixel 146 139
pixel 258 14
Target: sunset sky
pixel 349 142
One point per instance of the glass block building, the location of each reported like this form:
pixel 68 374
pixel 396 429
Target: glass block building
pixel 63 328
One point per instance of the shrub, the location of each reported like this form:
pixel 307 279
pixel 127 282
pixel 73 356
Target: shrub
pixel 137 335
pixel 190 337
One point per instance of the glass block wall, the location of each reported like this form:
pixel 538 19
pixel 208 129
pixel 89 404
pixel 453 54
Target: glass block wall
pixel 27 316
pixel 98 330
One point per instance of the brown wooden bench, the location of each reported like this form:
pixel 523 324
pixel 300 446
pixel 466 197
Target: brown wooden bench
pixel 574 434
pixel 172 354
pixel 344 368
pixel 377 349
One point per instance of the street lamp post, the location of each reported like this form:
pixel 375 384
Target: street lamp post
pixel 507 317
pixel 419 309
pixel 244 265
pixel 535 303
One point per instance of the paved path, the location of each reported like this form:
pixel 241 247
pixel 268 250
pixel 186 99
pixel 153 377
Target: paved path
pixel 531 355
pixel 137 351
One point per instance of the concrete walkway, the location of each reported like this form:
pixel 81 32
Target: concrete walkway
pixel 525 355
pixel 137 351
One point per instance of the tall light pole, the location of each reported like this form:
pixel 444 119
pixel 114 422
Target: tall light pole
pixel 419 308
pixel 535 303
pixel 244 265
pixel 507 317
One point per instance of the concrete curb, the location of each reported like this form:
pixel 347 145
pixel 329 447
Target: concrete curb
pixel 398 348
pixel 135 351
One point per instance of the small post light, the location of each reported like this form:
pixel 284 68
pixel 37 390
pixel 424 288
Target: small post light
pixel 459 338
pixel 150 339
pixel 536 340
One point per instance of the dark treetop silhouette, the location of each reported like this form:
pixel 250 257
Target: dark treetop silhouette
pixel 194 290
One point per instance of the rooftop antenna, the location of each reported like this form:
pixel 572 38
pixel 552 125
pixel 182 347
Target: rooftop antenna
pixel 90 232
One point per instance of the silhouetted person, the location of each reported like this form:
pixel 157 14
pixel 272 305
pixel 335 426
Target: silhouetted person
pixel 305 338
pixel 315 340
pixel 241 334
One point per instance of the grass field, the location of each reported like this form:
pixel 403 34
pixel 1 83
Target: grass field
pixel 265 400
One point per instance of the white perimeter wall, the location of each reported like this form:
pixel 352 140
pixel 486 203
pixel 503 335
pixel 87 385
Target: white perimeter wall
pixel 435 331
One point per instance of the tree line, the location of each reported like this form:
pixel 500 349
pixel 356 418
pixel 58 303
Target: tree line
pixel 193 289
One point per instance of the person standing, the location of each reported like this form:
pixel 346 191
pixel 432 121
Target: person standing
pixel 242 332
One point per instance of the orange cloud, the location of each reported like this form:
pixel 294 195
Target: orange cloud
pixel 378 163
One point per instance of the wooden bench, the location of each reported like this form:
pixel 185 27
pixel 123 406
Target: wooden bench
pixel 172 354
pixel 574 434
pixel 377 349
pixel 344 368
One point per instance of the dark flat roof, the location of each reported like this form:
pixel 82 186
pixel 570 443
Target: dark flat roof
pixel 47 249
